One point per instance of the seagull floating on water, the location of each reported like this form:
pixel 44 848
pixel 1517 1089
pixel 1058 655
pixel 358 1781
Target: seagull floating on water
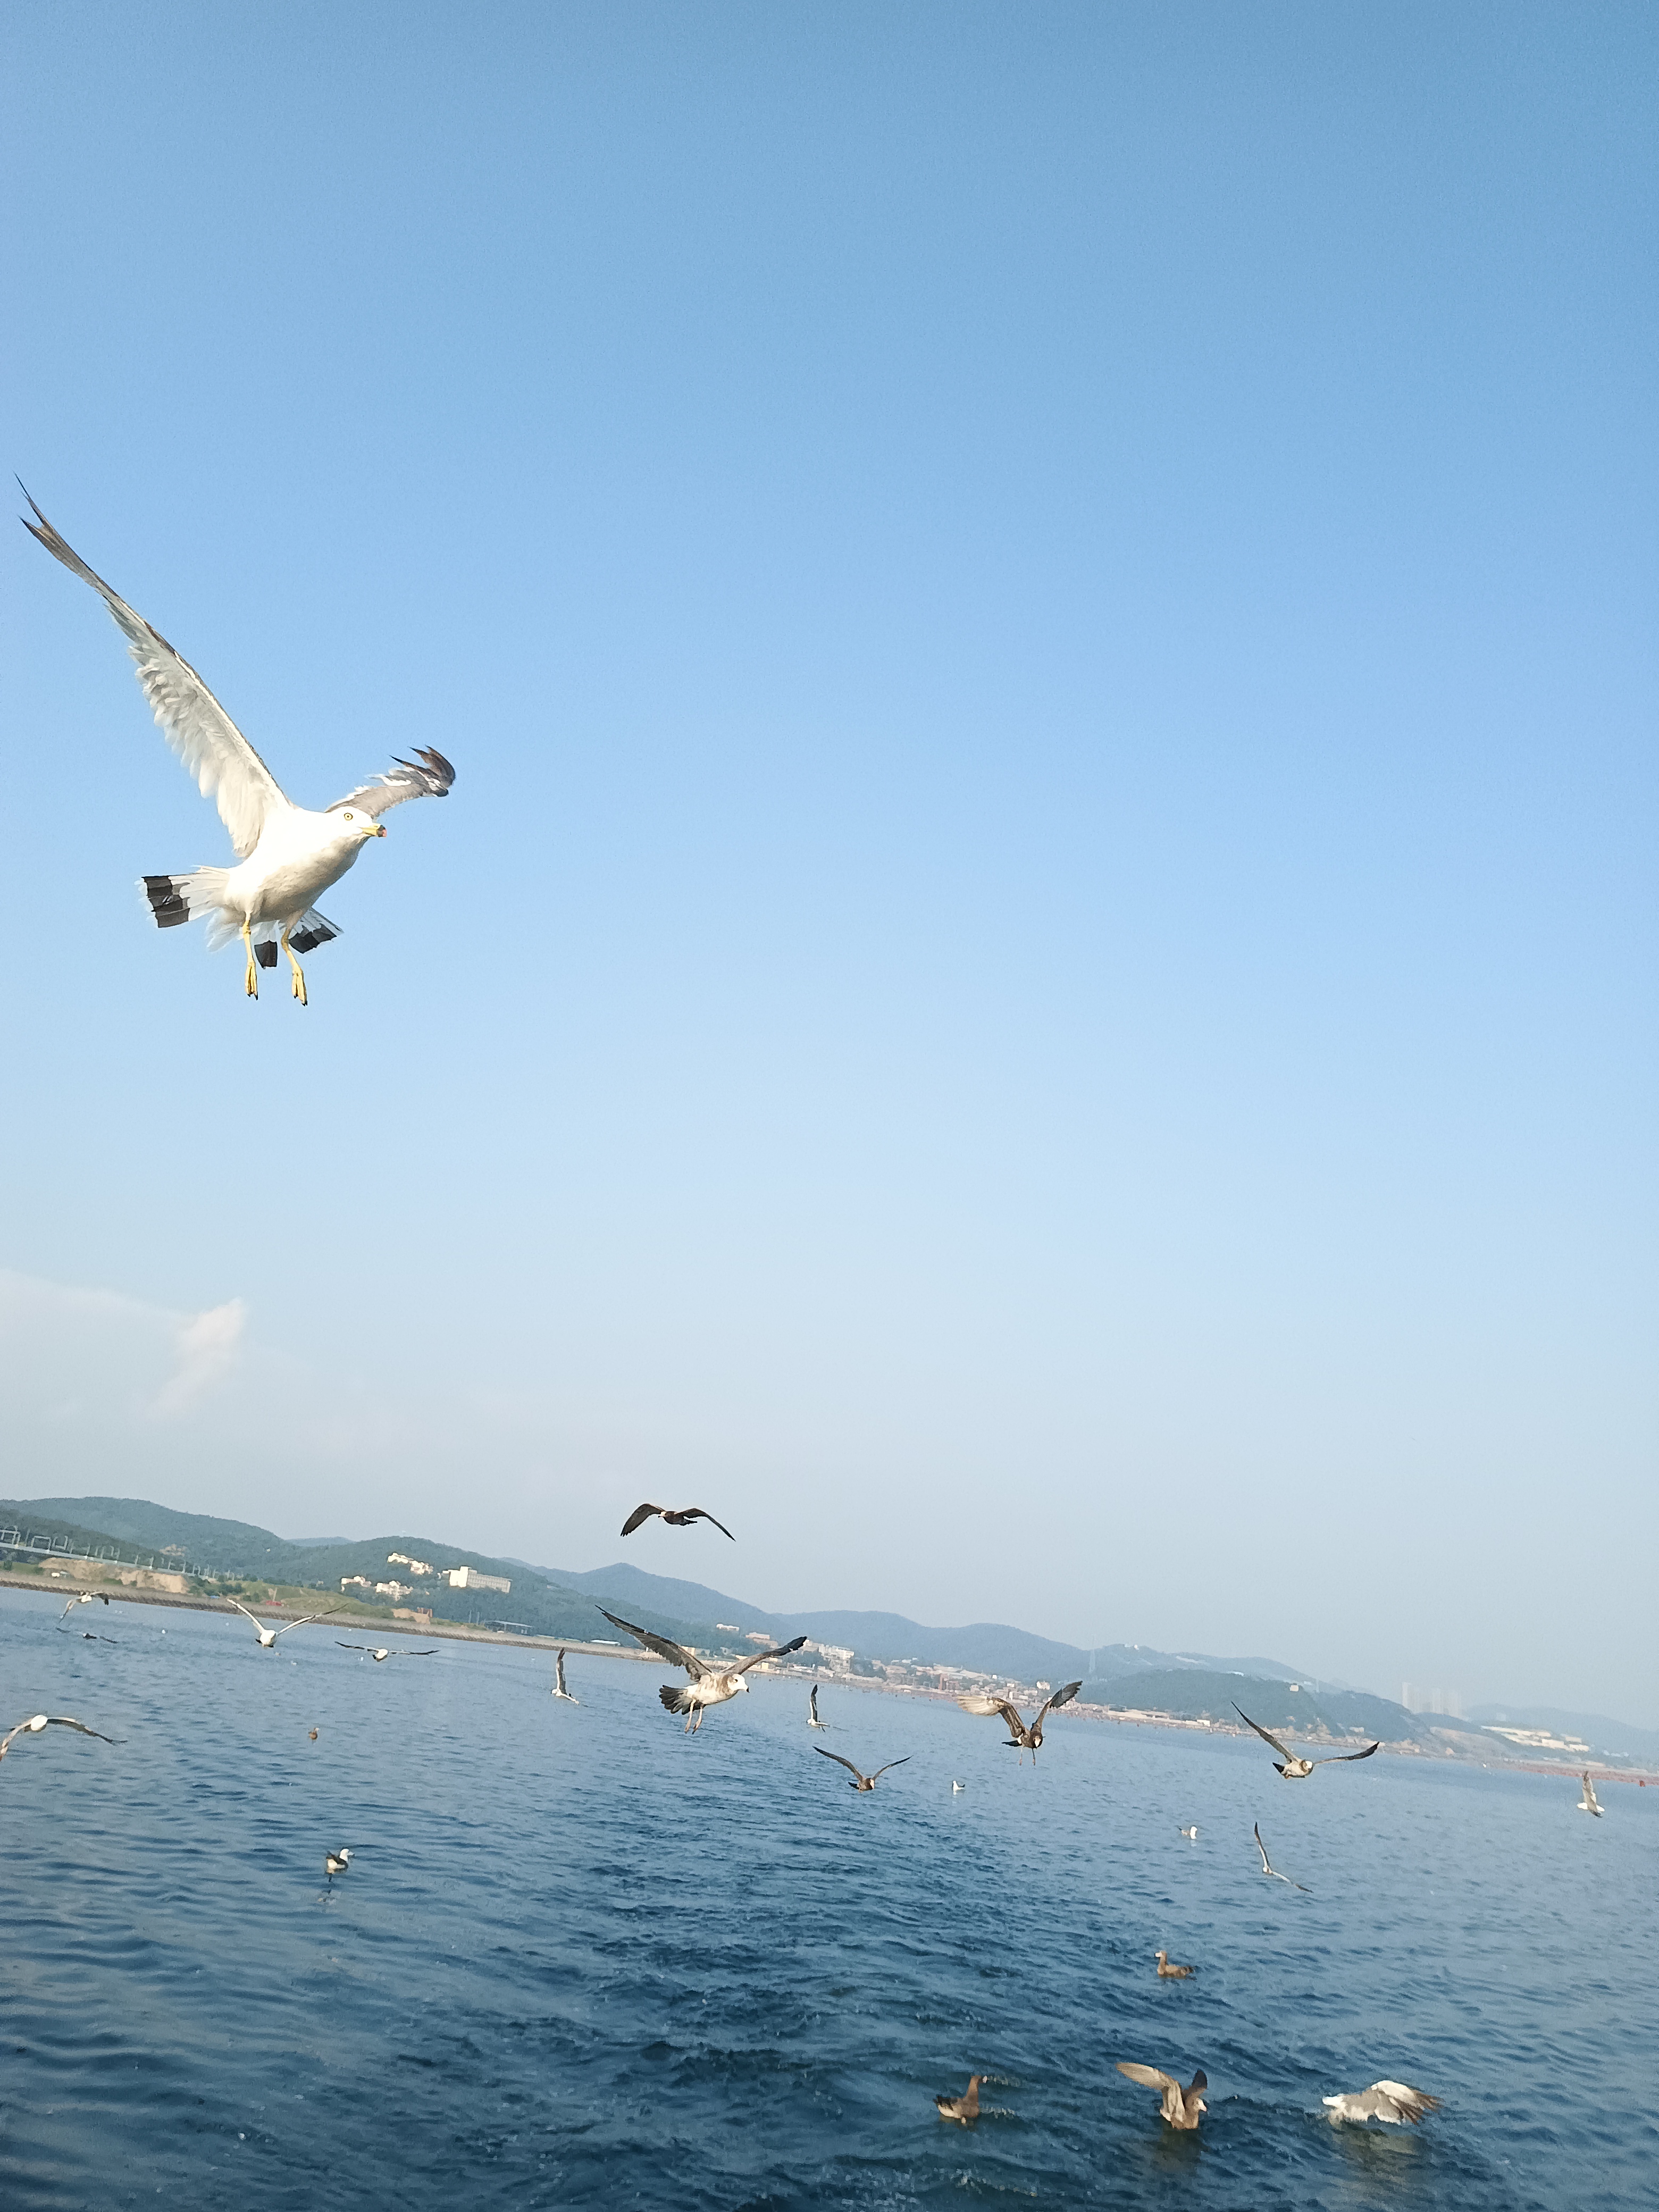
pixel 812 1720
pixel 336 1863
pixel 1296 1768
pixel 377 1652
pixel 1020 1737
pixel 712 1681
pixel 862 1780
pixel 39 1720
pixel 677 1516
pixel 1587 1804
pixel 1384 2100
pixel 963 2108
pixel 287 855
pixel 1267 1867
pixel 268 1636
pixel 957 1788
pixel 1191 1834
pixel 1166 1973
pixel 1181 2108
pixel 559 1689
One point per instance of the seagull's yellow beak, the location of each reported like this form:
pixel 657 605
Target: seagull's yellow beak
pixel 376 829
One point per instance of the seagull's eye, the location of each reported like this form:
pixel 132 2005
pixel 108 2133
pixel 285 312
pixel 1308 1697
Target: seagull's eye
pixel 348 817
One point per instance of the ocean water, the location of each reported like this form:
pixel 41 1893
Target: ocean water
pixel 579 1960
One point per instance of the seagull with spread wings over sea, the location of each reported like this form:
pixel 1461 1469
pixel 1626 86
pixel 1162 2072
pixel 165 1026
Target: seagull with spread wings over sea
pixel 1021 1738
pixel 862 1780
pixel 712 1681
pixel 268 1636
pixel 287 856
pixel 1296 1768
pixel 38 1721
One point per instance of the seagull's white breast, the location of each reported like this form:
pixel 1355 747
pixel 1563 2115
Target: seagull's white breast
pixel 299 853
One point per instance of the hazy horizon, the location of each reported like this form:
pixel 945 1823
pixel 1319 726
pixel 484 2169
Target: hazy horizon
pixel 1038 983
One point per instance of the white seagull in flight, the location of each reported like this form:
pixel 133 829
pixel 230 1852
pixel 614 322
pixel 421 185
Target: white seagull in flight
pixel 39 1721
pixel 268 1636
pixel 287 855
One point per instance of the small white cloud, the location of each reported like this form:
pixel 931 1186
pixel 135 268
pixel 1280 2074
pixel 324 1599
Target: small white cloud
pixel 207 1345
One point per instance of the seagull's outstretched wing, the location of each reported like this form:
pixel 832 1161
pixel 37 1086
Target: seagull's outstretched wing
pixel 225 766
pixel 1283 1749
pixel 890 1765
pixel 984 1707
pixel 1150 2077
pixel 1062 1696
pixel 636 1519
pixel 254 1617
pixel 781 1651
pixel 304 1621
pixel 839 1760
pixel 1338 1757
pixel 428 775
pixel 661 1645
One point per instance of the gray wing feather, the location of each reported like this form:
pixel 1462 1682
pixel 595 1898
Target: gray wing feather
pixel 782 1651
pixel 428 775
pixel 664 1648
pixel 225 766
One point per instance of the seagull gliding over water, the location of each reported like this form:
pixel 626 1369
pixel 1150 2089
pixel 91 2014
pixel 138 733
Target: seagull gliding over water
pixel 287 856
pixel 862 1780
pixel 680 1516
pixel 1268 1868
pixel 1021 1738
pixel 1296 1768
pixel 268 1636
pixel 712 1681
pixel 559 1689
pixel 1384 2100
pixel 1587 1804
pixel 39 1720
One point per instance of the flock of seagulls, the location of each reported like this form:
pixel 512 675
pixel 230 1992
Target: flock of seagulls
pixel 287 856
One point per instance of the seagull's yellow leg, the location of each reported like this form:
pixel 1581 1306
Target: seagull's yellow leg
pixel 251 984
pixel 298 972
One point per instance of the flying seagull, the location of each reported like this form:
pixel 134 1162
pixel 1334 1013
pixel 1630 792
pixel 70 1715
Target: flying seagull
pixel 1166 1973
pixel 1384 2100
pixel 1181 2108
pixel 287 856
pixel 336 1863
pixel 812 1720
pixel 1587 1804
pixel 1021 1738
pixel 712 1681
pixel 33 1727
pixel 85 1598
pixel 268 1636
pixel 1296 1768
pixel 1268 1868
pixel 377 1652
pixel 1191 1834
pixel 679 1517
pixel 559 1689
pixel 862 1780
pixel 963 2108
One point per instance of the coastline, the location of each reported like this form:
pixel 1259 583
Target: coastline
pixel 467 1632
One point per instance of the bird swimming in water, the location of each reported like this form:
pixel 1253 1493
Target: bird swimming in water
pixel 680 1516
pixel 712 1681
pixel 39 1721
pixel 336 1863
pixel 963 2108
pixel 268 1636
pixel 1020 1737
pixel 314 1736
pixel 1384 2100
pixel 1268 1868
pixel 1296 1768
pixel 1191 1834
pixel 558 1689
pixel 286 855
pixel 1181 2108
pixel 812 1720
pixel 1587 1804
pixel 1166 1973
pixel 862 1780
pixel 957 1788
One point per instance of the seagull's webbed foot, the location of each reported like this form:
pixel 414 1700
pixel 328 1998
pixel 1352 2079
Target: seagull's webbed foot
pixel 298 972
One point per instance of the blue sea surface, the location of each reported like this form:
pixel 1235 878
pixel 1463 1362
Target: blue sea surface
pixel 581 1959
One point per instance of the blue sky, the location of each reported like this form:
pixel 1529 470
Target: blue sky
pixel 1037 984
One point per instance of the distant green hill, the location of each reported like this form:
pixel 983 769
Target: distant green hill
pixel 1197 1694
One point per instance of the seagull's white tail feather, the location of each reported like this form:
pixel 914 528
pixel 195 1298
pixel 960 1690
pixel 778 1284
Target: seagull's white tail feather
pixel 176 899
pixel 675 1701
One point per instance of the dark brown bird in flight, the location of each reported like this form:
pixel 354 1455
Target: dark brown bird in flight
pixel 1296 1768
pixel 1021 1738
pixel 862 1780
pixel 677 1517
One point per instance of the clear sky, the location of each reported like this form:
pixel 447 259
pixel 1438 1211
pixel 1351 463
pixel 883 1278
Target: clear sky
pixel 1038 984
